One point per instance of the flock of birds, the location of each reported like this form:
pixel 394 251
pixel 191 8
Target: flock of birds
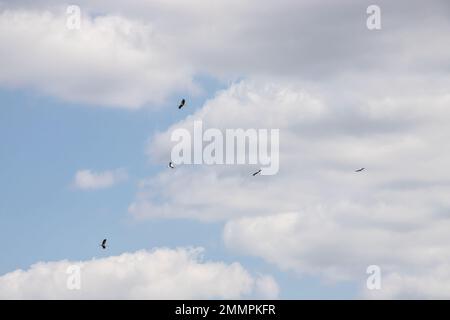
pixel 172 166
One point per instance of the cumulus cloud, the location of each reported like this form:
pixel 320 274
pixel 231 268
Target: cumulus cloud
pixel 342 96
pixel 159 274
pixel 89 180
pixel 322 142
pixel 317 216
pixel 135 53
pixel 244 105
pixel 111 60
pixel 339 246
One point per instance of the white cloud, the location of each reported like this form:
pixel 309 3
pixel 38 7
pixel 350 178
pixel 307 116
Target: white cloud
pixel 322 142
pixel 160 274
pixel 317 216
pixel 134 53
pixel 89 180
pixel 338 246
pixel 111 60
pixel 342 96
pixel 229 190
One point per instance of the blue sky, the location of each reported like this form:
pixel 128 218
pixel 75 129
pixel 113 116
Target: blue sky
pixel 44 218
pixel 87 113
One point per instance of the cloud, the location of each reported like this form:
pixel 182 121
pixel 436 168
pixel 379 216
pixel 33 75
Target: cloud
pixel 318 217
pixel 158 274
pixel 88 180
pixel 322 141
pixel 340 247
pixel 342 96
pixel 230 192
pixel 111 60
pixel 136 53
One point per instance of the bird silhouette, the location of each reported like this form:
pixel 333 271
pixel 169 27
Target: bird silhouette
pixel 182 104
pixel 359 170
pixel 103 245
pixel 257 172
pixel 171 165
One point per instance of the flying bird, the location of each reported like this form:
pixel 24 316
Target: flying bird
pixel 182 104
pixel 359 170
pixel 171 165
pixel 257 172
pixel 103 245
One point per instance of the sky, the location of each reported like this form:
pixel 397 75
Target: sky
pixel 86 117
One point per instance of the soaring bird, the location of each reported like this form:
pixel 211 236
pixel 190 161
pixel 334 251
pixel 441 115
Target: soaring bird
pixel 171 165
pixel 359 170
pixel 257 172
pixel 103 245
pixel 182 104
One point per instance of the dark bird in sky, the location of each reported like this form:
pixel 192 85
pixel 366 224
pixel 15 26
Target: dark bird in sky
pixel 171 165
pixel 182 104
pixel 359 170
pixel 257 172
pixel 103 245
